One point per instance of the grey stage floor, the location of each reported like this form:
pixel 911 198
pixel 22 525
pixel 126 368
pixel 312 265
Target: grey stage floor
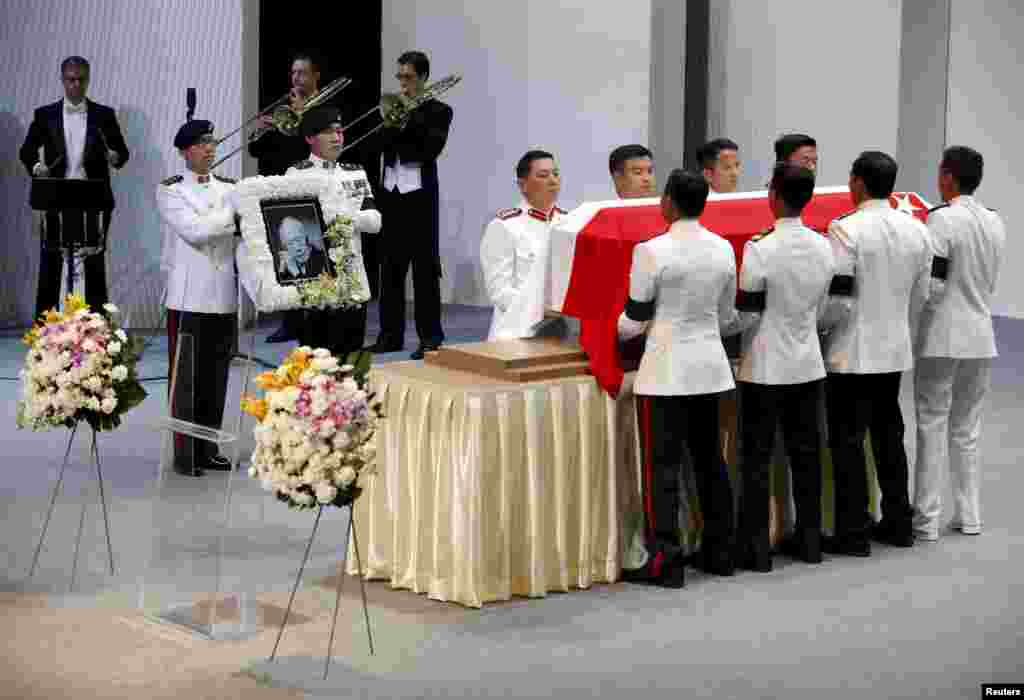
pixel 933 621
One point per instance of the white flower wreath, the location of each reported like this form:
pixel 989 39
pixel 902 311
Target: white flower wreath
pixel 256 263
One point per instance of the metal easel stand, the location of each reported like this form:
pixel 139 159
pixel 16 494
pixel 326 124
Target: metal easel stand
pixel 95 457
pixel 350 532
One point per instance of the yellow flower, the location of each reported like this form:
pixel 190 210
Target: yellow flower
pixel 255 407
pixel 268 381
pixel 52 316
pixel 31 337
pixel 74 302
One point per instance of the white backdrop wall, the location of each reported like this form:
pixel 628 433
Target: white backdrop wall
pixel 829 69
pixel 144 54
pixel 571 77
pixel 985 108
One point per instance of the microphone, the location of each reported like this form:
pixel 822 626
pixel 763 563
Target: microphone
pixel 190 102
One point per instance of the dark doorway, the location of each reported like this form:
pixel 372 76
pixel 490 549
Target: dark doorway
pixel 348 44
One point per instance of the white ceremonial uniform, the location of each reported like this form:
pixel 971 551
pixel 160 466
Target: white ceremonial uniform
pixel 888 254
pixel 690 275
pixel 199 244
pixel 346 192
pixel 793 267
pixel 955 347
pixel 514 254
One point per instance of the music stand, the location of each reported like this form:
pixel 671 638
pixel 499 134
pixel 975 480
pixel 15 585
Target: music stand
pixel 76 214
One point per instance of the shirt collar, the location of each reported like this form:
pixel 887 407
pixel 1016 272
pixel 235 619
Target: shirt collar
pixel 537 213
pixel 684 228
pixel 875 204
pixel 192 178
pixel 321 162
pixel 789 222
pixel 962 199
pixel 81 108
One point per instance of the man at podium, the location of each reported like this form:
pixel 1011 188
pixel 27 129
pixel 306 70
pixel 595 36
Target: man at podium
pixel 515 249
pixel 80 140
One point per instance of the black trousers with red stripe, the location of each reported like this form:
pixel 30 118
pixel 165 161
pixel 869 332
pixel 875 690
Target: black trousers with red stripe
pixel 201 384
pixel 668 425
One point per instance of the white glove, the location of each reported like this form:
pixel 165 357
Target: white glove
pixel 40 170
pixel 367 221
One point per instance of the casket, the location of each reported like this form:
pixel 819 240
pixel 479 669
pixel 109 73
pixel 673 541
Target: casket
pixel 592 247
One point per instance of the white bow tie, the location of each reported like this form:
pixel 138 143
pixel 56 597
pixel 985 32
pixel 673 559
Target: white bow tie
pixel 75 109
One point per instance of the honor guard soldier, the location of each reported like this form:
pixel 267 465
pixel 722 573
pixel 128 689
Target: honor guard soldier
pixel 341 331
pixel 514 249
pixel 955 346
pixel 888 255
pixel 202 291
pixel 784 283
pixel 682 291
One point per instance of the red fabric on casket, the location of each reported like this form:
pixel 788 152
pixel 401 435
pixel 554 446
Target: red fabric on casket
pixel 599 280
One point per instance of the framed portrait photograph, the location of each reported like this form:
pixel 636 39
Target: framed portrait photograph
pixel 295 236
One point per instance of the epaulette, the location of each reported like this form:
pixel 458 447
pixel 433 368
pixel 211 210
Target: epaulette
pixel 350 166
pixel 173 180
pixel 504 214
pixel 941 206
pixel 303 165
pixel 561 211
pixel 229 180
pixel 759 236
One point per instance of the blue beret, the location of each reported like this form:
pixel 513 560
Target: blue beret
pixel 319 118
pixel 192 132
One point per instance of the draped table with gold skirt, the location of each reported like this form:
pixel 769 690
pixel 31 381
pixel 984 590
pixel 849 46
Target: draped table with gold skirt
pixel 487 489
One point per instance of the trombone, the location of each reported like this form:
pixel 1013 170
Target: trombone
pixel 284 118
pixel 395 108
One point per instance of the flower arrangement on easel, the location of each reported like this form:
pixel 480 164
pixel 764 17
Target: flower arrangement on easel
pixel 315 436
pixel 80 367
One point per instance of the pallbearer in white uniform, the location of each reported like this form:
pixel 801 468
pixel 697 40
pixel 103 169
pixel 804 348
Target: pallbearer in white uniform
pixel 515 247
pixel 202 292
pixel 784 285
pixel 682 291
pixel 955 346
pixel 887 252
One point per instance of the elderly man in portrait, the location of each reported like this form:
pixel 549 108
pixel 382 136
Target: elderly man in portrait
pixel 297 257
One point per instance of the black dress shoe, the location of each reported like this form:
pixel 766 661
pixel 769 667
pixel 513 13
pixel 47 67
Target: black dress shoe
pixel 716 561
pixel 218 463
pixel 423 349
pixel 384 346
pixel 850 546
pixel 753 561
pixel 281 335
pixel 184 471
pixel 806 548
pixel 894 537
pixel 660 571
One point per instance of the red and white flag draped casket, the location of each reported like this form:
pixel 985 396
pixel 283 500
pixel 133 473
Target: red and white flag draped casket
pixel 592 248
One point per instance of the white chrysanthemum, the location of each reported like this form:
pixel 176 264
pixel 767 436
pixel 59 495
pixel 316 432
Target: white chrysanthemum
pixel 109 405
pixel 114 348
pixel 321 352
pixel 110 308
pixel 119 373
pixel 121 335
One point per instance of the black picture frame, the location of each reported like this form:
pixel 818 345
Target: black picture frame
pixel 305 221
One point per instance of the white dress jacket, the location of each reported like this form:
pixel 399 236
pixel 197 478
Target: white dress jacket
pixel 888 254
pixel 957 321
pixel 689 274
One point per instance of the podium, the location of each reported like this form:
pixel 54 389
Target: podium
pixel 75 219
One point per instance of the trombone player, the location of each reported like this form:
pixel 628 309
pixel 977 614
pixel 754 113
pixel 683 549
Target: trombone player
pixel 409 203
pixel 277 151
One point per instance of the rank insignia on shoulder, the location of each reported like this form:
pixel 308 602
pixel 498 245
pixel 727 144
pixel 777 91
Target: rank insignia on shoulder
pixel 504 214
pixel 229 180
pixel 561 211
pixel 941 206
pixel 350 166
pixel 760 236
pixel 303 165
pixel 173 180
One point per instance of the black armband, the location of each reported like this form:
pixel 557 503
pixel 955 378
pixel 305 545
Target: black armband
pixel 639 310
pixel 368 203
pixel 940 268
pixel 750 301
pixel 841 286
